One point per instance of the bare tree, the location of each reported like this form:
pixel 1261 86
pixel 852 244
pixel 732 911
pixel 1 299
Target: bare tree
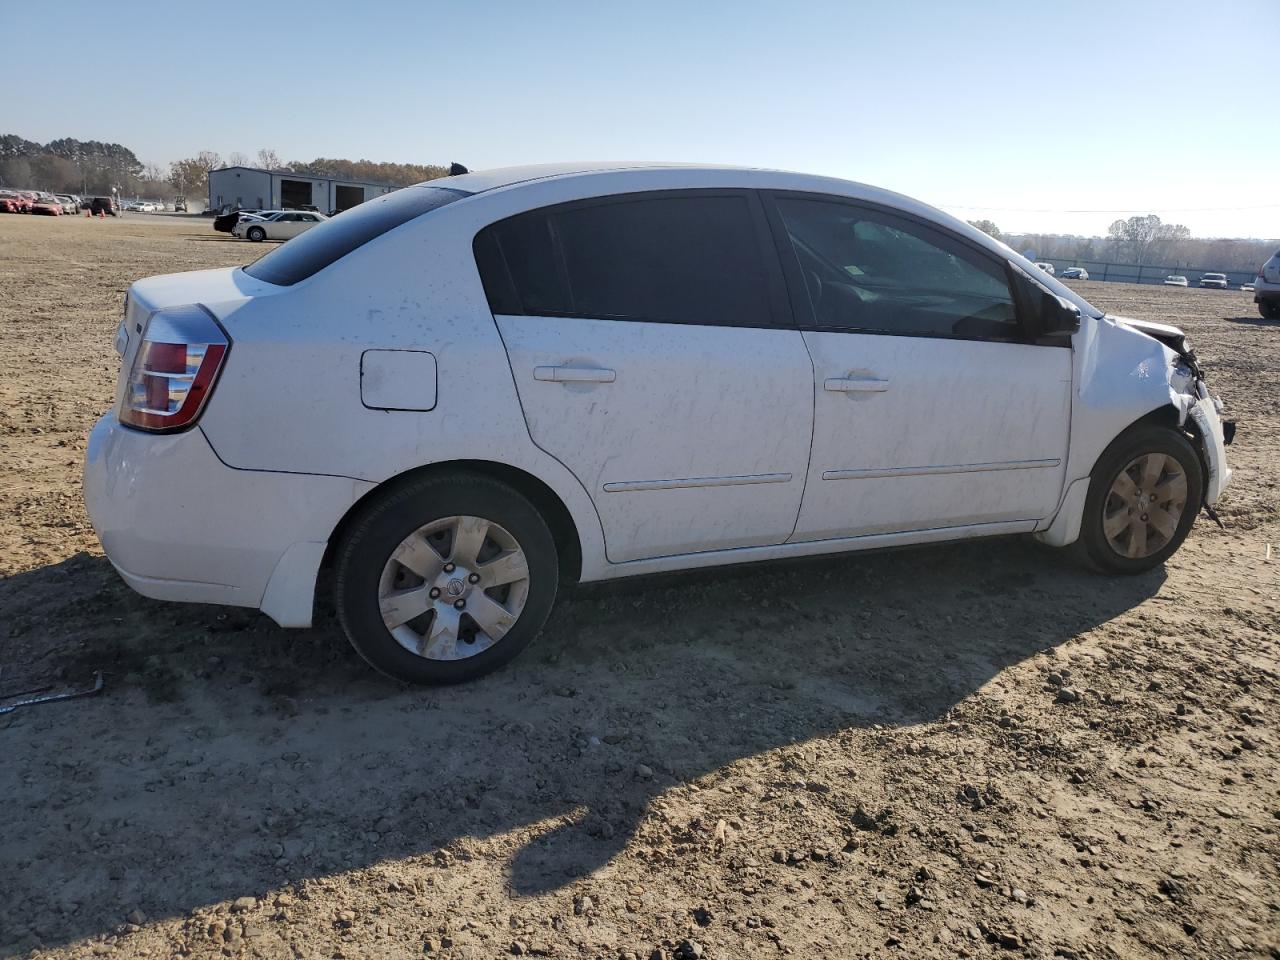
pixel 192 175
pixel 238 159
pixel 268 159
pixel 1144 237
pixel 209 160
pixel 987 227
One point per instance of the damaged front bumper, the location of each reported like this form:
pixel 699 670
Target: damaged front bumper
pixel 1214 433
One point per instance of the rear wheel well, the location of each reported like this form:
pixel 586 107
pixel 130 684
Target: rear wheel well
pixel 563 530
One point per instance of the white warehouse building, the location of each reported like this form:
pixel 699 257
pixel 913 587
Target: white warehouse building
pixel 255 189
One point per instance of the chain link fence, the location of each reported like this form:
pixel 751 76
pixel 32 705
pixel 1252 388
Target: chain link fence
pixel 1147 273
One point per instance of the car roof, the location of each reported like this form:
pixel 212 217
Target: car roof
pixel 650 175
pixel 678 174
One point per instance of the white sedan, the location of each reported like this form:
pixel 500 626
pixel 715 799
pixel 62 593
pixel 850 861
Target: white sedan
pixel 1175 280
pixel 463 393
pixel 279 225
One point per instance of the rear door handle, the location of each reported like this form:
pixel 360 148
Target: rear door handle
pixel 856 385
pixel 574 374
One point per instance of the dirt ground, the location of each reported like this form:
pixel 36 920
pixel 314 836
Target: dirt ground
pixel 966 751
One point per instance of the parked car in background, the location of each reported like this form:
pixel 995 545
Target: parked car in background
pixel 49 206
pixel 1174 280
pixel 466 391
pixel 1217 281
pixel 223 222
pixel 1046 267
pixel 280 225
pixel 13 202
pixel 1266 288
pixel 70 204
pixel 104 205
pixel 1075 273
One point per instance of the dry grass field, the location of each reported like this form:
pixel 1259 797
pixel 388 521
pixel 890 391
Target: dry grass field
pixel 863 756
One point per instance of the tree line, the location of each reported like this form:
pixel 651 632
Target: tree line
pixel 193 172
pixel 69 165
pixel 91 168
pixel 1143 240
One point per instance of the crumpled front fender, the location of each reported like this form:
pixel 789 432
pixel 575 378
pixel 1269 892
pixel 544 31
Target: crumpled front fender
pixel 1121 376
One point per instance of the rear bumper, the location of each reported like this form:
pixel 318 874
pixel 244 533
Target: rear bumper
pixel 178 524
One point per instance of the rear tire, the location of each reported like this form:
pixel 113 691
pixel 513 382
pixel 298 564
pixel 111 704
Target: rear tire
pixel 1269 309
pixel 256 234
pixel 1124 530
pixel 445 535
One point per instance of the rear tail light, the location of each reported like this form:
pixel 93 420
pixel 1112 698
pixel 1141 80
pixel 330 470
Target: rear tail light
pixel 174 370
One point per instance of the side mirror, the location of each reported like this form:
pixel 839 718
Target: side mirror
pixel 1058 316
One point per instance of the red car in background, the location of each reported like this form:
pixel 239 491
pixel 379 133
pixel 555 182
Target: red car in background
pixel 9 204
pixel 49 206
pixel 21 203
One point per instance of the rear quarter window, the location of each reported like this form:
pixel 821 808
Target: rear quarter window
pixel 309 253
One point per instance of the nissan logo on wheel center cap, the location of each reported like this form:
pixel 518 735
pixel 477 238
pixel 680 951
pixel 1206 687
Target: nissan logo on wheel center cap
pixel 455 588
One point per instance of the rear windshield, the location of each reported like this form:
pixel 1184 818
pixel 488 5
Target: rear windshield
pixel 310 252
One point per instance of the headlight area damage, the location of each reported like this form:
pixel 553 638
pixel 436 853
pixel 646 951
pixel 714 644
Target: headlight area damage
pixel 1122 379
pixel 1190 395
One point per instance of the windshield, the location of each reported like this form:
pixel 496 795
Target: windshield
pixel 312 251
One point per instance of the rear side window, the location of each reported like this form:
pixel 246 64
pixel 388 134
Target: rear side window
pixel 668 259
pixel 310 252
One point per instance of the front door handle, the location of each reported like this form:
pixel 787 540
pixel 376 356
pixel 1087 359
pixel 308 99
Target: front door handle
pixel 856 385
pixel 574 374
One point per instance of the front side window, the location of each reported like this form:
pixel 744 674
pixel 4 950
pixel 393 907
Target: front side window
pixel 867 270
pixel 668 259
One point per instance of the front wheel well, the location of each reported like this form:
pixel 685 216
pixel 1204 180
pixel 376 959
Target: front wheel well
pixel 1167 416
pixel 563 529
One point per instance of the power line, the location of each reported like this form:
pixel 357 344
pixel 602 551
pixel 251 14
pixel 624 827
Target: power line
pixel 1254 206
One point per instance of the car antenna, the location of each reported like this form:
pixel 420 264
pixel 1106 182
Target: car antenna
pixel 457 170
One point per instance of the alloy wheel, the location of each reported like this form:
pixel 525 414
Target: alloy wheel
pixel 453 588
pixel 1145 505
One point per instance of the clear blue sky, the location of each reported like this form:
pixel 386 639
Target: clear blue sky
pixel 1028 109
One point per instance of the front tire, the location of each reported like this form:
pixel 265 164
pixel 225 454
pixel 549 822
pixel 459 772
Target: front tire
pixel 1144 494
pixel 256 234
pixel 444 579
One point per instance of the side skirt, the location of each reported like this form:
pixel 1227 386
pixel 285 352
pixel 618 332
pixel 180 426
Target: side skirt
pixel 808 548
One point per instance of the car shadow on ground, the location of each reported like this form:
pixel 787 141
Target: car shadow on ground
pixel 226 239
pixel 1253 321
pixel 229 757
